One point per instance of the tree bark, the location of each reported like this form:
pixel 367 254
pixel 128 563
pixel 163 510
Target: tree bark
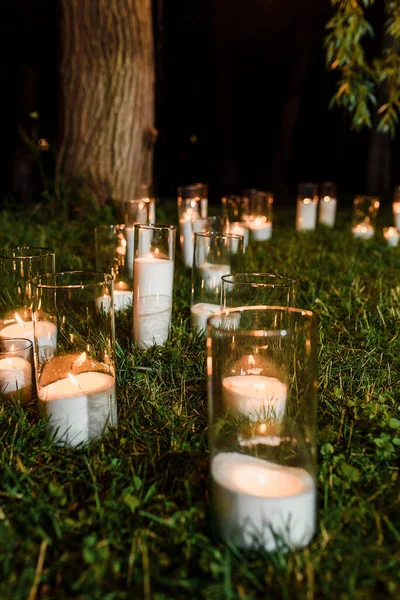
pixel 107 85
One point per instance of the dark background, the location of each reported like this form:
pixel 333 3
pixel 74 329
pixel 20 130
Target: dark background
pixel 242 98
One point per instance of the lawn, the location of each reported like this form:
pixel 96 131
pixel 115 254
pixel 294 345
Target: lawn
pixel 128 517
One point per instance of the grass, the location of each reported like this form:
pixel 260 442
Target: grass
pixel 128 517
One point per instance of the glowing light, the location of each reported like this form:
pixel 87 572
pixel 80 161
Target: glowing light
pixel 80 360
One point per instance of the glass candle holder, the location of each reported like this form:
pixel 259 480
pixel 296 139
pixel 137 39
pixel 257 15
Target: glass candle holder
pixel 365 212
pixel 215 255
pixel 189 210
pixel 16 370
pixel 145 193
pixel 259 219
pixel 114 254
pixel 391 235
pixel 136 211
pixel 153 281
pixel 195 191
pixel 218 224
pixel 75 377
pixel 236 210
pixel 17 267
pixel 251 289
pixel 328 204
pixel 262 387
pixel 306 207
pixel 396 207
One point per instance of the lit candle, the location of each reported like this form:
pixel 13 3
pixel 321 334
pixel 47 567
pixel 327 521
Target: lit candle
pixel 260 229
pixel 16 379
pixel 45 334
pixel 186 238
pixel 257 503
pixel 239 229
pixel 306 214
pixel 202 310
pixel 153 284
pixel 391 235
pixel 327 211
pixel 79 407
pixel 396 214
pixel 363 231
pixel 211 276
pixel 129 247
pixel 257 396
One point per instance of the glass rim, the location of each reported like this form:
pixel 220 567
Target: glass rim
pixel 282 280
pixel 158 226
pixel 28 344
pixel 309 325
pixel 219 234
pixel 106 279
pixel 47 252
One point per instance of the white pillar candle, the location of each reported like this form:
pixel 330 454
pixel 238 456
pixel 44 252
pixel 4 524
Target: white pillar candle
pixel 152 211
pixel 200 312
pixel 122 299
pixel 257 396
pixel 16 378
pixel 327 211
pixel 256 502
pixel 186 239
pixel 239 229
pixel 130 247
pixel 260 229
pixel 363 231
pixel 211 275
pixel 396 214
pixel 153 284
pixel 391 235
pixel 45 334
pixel 306 214
pixel 204 208
pixel 80 407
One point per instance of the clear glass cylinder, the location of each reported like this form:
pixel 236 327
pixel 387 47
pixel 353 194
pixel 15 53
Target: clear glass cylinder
pixel 215 255
pixel 396 207
pixel 153 279
pixel 114 254
pixel 189 210
pixel 259 218
pixel 391 236
pixel 16 370
pixel 75 354
pixel 328 204
pixel 145 193
pixel 365 212
pixel 195 191
pixel 306 206
pixel 236 210
pixel 218 224
pixel 136 211
pixel 262 400
pixel 17 267
pixel 251 289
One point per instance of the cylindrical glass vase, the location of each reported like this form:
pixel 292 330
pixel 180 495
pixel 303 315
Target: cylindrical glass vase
pixel 215 255
pixel 327 204
pixel 114 254
pixel 262 398
pixel 153 281
pixel 252 289
pixel 189 210
pixel 365 212
pixel 75 377
pixel 17 267
pixel 259 219
pixel 136 211
pixel 307 206
pixel 236 210
pixel 16 370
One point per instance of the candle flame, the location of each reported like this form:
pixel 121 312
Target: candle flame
pixel 19 320
pixel 80 360
pixel 306 201
pixel 10 362
pixel 251 360
pixel 74 381
pixel 12 348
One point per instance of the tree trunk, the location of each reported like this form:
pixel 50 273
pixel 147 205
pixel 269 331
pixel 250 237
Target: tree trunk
pixel 107 84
